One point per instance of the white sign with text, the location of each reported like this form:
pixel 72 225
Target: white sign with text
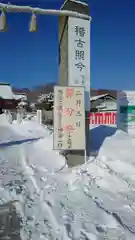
pixel 69 118
pixel 79 55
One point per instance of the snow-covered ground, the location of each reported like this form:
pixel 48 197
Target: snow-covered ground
pixel 95 201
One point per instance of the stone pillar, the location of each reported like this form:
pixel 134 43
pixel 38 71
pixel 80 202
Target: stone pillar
pixel 39 116
pixel 74 62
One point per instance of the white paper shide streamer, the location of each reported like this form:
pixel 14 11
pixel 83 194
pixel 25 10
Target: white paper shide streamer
pixel 33 23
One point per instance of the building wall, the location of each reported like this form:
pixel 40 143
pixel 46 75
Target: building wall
pixel 108 106
pixel 8 104
pixel 104 104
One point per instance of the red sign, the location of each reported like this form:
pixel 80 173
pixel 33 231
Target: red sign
pixel 102 118
pixel 69 92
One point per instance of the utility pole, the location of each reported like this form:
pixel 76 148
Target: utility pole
pixel 74 62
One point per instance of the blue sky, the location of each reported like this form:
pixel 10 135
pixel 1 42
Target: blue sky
pixel 30 59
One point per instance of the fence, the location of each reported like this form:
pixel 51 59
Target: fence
pixel 105 118
pixel 95 118
pixel 46 117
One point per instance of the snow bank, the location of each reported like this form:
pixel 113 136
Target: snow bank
pixel 30 128
pixel 41 154
pixel 117 153
pixel 7 133
pixel 91 202
pixel 3 119
pixel 19 132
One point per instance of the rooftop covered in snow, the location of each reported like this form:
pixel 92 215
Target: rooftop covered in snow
pixel 94 98
pixel 6 91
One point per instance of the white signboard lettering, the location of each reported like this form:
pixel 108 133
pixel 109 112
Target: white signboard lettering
pixel 69 118
pixel 79 55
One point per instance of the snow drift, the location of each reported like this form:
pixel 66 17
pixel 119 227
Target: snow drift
pixel 90 202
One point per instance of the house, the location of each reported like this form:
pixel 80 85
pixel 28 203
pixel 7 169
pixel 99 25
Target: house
pixel 7 99
pixel 20 96
pixel 103 102
pixel 96 92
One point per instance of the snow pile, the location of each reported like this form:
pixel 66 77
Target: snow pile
pixel 3 119
pixel 7 133
pixel 26 130
pixel 40 154
pixel 31 129
pixel 91 202
pixel 120 159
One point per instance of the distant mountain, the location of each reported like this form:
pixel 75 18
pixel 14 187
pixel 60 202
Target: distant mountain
pixel 32 94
